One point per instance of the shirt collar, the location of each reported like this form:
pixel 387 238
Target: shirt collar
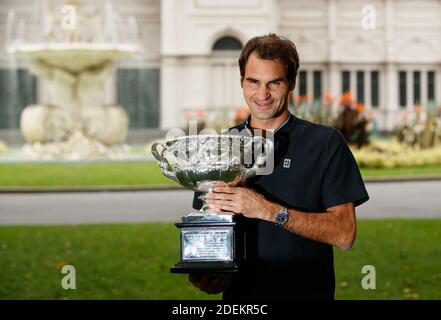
pixel 284 126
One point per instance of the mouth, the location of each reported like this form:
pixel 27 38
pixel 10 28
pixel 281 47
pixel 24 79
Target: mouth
pixel 265 105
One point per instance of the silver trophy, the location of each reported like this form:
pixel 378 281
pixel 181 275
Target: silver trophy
pixel 212 242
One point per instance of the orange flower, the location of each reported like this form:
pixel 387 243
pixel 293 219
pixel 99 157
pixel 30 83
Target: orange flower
pixel 200 112
pixel 245 111
pixel 328 98
pixel 346 99
pixel 298 99
pixel 360 107
pixel 405 116
pixel 242 114
pixel 188 115
pixel 418 107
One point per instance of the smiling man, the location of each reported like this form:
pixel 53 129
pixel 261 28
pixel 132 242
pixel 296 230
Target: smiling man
pixel 304 207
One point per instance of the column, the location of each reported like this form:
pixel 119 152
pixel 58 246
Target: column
pixel 437 84
pixel 367 89
pixel 334 81
pixel 353 83
pixel 389 99
pixel 333 73
pixel 390 106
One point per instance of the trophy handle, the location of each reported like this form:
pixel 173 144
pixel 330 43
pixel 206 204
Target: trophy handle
pixel 261 159
pixel 166 168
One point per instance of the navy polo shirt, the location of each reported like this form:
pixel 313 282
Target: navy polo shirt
pixel 314 169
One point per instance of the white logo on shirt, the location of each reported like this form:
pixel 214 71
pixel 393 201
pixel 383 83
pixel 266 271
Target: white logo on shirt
pixel 286 163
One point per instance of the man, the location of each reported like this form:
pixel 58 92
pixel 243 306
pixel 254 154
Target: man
pixel 305 206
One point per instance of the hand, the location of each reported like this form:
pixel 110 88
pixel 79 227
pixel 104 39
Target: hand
pixel 211 283
pixel 243 201
pixel 236 182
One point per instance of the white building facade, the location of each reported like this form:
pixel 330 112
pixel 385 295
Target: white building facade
pixel 387 53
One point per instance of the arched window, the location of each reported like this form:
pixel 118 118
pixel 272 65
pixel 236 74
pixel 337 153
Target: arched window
pixel 227 43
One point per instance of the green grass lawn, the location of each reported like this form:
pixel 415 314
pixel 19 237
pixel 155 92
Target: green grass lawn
pixel 142 174
pixel 131 261
pixel 421 171
pixel 131 174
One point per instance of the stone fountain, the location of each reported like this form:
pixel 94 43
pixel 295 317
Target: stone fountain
pixel 73 58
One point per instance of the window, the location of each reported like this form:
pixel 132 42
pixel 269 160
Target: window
pixel 227 43
pixel 317 75
pixel 431 86
pixel 302 85
pixel 402 88
pixel 18 88
pixel 375 88
pixel 360 86
pixel 416 87
pixel 138 90
pixel 345 75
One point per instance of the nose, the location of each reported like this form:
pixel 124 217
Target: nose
pixel 263 93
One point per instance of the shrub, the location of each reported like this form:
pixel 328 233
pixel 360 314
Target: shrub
pixel 3 147
pixel 421 129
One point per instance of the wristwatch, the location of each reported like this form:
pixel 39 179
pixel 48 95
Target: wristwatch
pixel 281 217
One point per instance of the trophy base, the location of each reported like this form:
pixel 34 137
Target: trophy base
pixel 210 243
pixel 204 267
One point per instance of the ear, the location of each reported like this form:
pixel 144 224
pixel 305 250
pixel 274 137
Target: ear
pixel 241 81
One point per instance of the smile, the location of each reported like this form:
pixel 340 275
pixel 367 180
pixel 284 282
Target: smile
pixel 263 105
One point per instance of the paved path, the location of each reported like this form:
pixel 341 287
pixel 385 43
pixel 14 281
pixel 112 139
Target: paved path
pixel 388 199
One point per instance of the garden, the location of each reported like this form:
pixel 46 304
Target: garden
pixel 132 261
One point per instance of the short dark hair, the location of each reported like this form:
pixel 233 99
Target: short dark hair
pixel 272 47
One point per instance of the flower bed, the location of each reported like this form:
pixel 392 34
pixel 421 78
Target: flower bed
pixel 392 154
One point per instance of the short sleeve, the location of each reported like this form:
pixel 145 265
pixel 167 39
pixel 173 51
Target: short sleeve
pixel 342 181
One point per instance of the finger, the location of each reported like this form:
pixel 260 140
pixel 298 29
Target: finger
pixel 224 281
pixel 214 209
pixel 220 204
pixel 229 207
pixel 217 283
pixel 220 280
pixel 205 282
pixel 219 184
pixel 220 196
pixel 225 189
pixel 235 182
pixel 195 277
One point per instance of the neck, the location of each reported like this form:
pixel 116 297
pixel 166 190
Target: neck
pixel 269 124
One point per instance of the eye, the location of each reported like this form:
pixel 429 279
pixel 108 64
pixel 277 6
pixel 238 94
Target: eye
pixel 253 82
pixel 275 83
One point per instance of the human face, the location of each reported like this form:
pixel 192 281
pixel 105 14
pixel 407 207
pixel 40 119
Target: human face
pixel 265 89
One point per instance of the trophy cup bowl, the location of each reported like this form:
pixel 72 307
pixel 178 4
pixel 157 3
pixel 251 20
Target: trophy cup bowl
pixel 211 242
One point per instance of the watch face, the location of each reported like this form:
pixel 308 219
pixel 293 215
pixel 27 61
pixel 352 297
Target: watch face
pixel 281 217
